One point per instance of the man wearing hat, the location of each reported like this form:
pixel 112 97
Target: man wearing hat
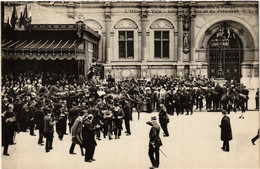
pixel 154 142
pixel 163 119
pixel 48 129
pixel 76 131
pixel 88 135
pixel 226 131
pixel 127 112
pixel 39 121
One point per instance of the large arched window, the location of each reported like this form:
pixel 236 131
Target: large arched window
pixel 162 38
pixel 126 37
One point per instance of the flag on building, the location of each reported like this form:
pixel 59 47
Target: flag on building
pixel 25 18
pixel 14 17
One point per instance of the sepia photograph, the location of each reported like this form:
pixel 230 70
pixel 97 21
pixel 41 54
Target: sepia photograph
pixel 137 84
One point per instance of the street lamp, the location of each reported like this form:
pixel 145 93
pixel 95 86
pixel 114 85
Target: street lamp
pixel 221 42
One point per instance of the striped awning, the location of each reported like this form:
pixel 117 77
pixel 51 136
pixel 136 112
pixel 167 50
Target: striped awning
pixel 41 48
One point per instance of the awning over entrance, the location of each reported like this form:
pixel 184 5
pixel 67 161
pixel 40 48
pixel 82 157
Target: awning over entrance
pixel 42 45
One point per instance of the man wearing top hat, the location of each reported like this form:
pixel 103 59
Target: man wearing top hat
pixel 226 131
pixel 163 119
pixel 88 135
pixel 154 142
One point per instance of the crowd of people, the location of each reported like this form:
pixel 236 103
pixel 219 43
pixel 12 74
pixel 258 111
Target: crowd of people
pixel 93 107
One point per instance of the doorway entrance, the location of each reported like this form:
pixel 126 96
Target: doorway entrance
pixel 225 54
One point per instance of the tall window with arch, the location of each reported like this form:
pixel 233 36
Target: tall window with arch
pixel 126 44
pixel 161 44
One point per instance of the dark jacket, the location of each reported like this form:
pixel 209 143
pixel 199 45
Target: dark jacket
pixel 163 117
pixel 39 118
pixel 154 135
pixel 226 132
pixel 127 111
pixel 88 135
pixel 48 124
pixel 76 131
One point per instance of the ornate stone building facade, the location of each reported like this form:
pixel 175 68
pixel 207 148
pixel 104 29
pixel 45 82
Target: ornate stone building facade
pixel 143 39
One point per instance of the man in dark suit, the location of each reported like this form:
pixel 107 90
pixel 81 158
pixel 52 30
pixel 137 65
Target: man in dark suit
pixel 164 120
pixel 127 111
pixel 48 130
pixel 154 142
pixel 39 120
pixel 32 110
pixel 88 135
pixel 226 131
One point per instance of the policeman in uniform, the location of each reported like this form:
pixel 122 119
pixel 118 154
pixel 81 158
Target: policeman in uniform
pixel 154 142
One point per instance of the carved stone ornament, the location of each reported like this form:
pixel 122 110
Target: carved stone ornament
pixel 186 44
pixel 93 24
pixel 126 24
pixel 126 73
pixel 162 24
pixel 200 21
pixel 161 72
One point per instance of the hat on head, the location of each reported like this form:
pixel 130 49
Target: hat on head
pixel 224 112
pixel 90 117
pixel 153 118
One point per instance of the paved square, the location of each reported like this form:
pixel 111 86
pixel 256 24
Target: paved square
pixel 194 142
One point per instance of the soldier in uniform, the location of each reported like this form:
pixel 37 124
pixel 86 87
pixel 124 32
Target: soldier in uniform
pixel 209 98
pixel 245 91
pixel 199 98
pixel 154 142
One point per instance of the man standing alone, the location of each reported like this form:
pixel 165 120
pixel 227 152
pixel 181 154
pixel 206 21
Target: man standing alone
pixel 155 143
pixel 164 120
pixel 226 132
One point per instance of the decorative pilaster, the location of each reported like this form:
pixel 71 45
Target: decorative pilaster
pixel 143 15
pixel 180 33
pixel 192 34
pixel 107 16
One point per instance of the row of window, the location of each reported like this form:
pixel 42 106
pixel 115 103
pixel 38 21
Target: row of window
pixel 161 44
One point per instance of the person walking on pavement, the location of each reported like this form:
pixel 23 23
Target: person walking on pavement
pixel 255 138
pixel 226 131
pixel 88 134
pixel 76 132
pixel 154 143
pixel 164 119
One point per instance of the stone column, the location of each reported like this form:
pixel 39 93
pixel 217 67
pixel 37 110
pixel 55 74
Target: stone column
pixel 192 35
pixel 180 34
pixel 143 25
pixel 107 15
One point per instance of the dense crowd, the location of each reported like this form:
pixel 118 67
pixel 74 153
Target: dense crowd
pixel 93 107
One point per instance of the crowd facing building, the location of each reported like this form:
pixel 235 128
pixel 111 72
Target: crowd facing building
pixel 29 99
pixel 94 64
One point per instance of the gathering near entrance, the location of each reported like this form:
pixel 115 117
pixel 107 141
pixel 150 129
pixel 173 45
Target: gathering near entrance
pixel 86 73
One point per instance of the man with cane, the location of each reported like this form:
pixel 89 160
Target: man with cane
pixel 154 143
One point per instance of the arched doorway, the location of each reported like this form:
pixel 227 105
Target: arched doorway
pixel 225 54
